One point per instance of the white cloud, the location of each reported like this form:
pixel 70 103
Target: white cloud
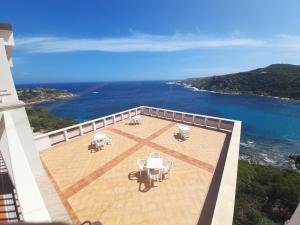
pixel 286 42
pixel 133 43
pixel 151 43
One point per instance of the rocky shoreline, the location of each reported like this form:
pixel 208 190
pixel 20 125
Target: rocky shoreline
pixel 194 88
pixel 280 81
pixel 34 96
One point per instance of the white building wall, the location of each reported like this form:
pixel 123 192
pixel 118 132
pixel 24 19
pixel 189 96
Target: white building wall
pixel 295 220
pixel 31 202
pixel 4 149
pixel 6 80
pixel 23 130
pixel 16 141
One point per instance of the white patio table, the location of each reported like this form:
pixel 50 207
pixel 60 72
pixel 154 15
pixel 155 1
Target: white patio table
pixel 100 137
pixel 184 129
pixel 154 163
pixel 136 119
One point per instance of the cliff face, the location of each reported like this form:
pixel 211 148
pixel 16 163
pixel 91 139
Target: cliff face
pixel 277 80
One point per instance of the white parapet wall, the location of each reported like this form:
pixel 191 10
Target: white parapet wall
pixel 31 202
pixel 52 138
pixel 224 208
pixel 190 118
pixel 295 219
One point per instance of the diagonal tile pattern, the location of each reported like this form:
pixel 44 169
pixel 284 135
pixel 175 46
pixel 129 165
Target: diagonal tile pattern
pixel 178 155
pixel 72 181
pixel 116 199
pixel 68 207
pixel 112 163
pixel 100 171
pixel 168 151
pixel 73 161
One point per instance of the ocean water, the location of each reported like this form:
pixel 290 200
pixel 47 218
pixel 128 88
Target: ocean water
pixel 270 127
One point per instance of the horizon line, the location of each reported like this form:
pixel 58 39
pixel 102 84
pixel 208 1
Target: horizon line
pixel 113 81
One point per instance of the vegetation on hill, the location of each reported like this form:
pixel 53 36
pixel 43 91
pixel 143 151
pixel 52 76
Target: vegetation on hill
pixel 41 120
pixel 277 80
pixel 265 195
pixel 41 95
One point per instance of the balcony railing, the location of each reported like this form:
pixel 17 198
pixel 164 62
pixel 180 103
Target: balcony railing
pixel 52 138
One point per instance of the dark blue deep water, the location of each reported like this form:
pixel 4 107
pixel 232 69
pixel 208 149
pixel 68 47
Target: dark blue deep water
pixel 270 127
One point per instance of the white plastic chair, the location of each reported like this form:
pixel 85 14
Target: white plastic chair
pixel 154 174
pixel 131 120
pixel 154 155
pixel 108 139
pixel 140 121
pixel 99 144
pixel 142 165
pixel 168 165
pixel 185 135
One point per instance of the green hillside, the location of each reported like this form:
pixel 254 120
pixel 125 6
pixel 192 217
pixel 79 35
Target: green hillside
pixel 265 195
pixel 277 80
pixel 41 120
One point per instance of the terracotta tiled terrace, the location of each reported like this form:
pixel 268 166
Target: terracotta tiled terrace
pixel 105 185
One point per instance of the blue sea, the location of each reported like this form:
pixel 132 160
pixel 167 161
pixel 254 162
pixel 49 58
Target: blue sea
pixel 270 127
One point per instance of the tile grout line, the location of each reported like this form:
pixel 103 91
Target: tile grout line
pixel 196 162
pixel 160 131
pixel 148 141
pixel 80 184
pixel 124 134
pixel 67 205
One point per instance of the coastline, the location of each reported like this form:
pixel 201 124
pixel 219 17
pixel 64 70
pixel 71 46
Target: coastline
pixel 48 101
pixel 189 86
pixel 38 95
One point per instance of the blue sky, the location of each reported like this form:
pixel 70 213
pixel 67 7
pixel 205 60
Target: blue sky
pixel 70 41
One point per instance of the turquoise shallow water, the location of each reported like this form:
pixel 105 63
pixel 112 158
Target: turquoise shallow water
pixel 270 127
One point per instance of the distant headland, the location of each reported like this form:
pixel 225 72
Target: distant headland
pixel 41 120
pixel 32 96
pixel 276 80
